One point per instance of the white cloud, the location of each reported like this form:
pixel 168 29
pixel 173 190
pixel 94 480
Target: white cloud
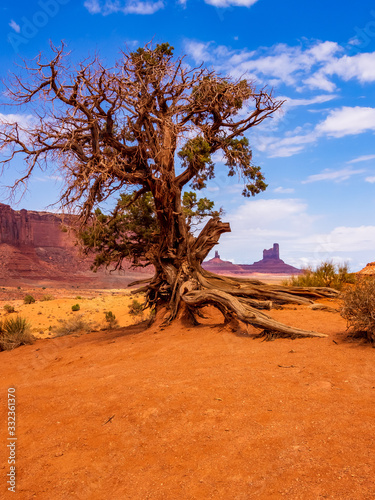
pixel 339 123
pixel 198 51
pixel 107 7
pixel 283 190
pixel 333 175
pixel 360 67
pixel 292 103
pixel 16 27
pixel 320 81
pixel 370 179
pixel 280 63
pixel 313 65
pixel 348 121
pixel 24 121
pixel 93 6
pixel 266 215
pixel 143 7
pixel 362 158
pixel 287 146
pixel 344 239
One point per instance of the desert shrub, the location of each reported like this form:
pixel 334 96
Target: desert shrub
pixel 358 308
pixel 136 309
pixel 9 309
pixel 78 297
pixel 78 324
pixel 14 332
pixel 76 307
pixel 326 274
pixel 110 319
pixel 47 297
pixel 29 299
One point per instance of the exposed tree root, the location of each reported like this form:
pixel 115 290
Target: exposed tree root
pixel 244 312
pixel 236 298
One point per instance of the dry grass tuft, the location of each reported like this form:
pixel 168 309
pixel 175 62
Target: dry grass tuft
pixel 359 309
pixel 15 332
pixel 77 324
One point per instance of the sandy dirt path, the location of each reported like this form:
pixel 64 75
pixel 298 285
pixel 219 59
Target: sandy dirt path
pixel 193 413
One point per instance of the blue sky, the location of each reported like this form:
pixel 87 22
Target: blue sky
pixel 318 154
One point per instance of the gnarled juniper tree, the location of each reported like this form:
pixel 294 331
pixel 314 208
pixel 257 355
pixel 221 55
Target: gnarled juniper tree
pixel 148 127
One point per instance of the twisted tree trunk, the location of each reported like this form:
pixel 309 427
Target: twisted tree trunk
pixel 181 282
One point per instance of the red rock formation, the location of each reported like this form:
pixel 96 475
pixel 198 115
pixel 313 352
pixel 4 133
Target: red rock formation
pixel 369 270
pixel 36 229
pixel 270 264
pixel 218 266
pixel 37 246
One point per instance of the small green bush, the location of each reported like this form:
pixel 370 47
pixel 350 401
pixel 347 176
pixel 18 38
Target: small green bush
pixel 9 309
pixel 358 308
pixel 29 299
pixel 136 309
pixel 110 319
pixel 14 332
pixel 76 307
pixel 326 274
pixel 78 324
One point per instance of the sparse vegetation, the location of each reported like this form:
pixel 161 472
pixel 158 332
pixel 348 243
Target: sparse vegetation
pixel 9 309
pixel 76 307
pixel 47 297
pixel 326 274
pixel 29 299
pixel 14 332
pixel 136 310
pixel 78 324
pixel 110 319
pixel 358 308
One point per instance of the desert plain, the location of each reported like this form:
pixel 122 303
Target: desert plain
pixel 206 412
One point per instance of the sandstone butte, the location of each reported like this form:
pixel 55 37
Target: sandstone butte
pixel 270 264
pixel 38 246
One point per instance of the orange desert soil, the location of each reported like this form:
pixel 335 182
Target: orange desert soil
pixel 193 413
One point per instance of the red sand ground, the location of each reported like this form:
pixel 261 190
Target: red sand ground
pixel 198 413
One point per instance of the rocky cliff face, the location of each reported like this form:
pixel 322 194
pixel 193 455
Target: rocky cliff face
pixel 41 247
pixel 35 229
pixel 37 245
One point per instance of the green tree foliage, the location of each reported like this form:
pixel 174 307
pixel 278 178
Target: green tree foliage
pixel 131 230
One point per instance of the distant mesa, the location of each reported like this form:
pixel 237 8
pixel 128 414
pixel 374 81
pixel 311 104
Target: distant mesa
pixel 216 265
pixel 270 264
